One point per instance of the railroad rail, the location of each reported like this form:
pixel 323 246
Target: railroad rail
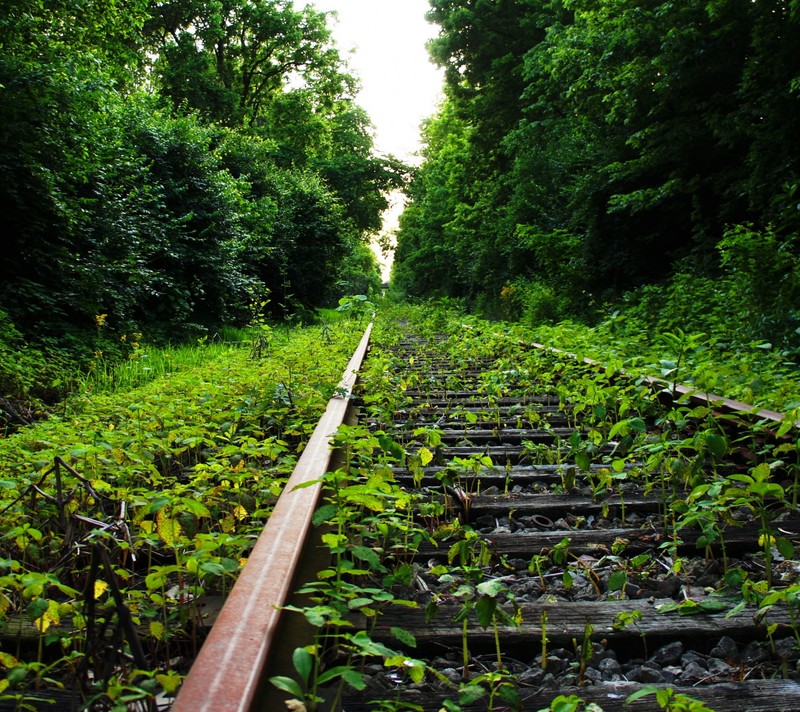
pixel 553 559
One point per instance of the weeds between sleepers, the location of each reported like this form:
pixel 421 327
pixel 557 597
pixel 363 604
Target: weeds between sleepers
pixel 671 455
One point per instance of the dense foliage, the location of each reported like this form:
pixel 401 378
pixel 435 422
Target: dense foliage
pixel 587 148
pixel 165 165
pixel 140 502
pixel 620 438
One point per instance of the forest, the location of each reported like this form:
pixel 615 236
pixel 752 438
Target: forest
pixel 189 190
pixel 631 165
pixel 173 168
pixel 165 166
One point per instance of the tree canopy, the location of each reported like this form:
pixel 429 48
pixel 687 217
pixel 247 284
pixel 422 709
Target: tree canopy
pixel 166 163
pixel 585 147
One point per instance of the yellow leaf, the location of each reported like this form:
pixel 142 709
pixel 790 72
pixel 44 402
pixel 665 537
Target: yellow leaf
pixel 170 682
pixel 242 562
pixel 157 629
pixel 7 660
pixel 169 529
pixel 425 456
pixel 100 587
pixel 240 512
pixel 49 617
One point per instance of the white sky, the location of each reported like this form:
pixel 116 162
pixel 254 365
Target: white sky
pixel 400 87
pixel 383 42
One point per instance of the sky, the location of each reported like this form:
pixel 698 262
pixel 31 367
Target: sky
pixel 400 87
pixel 383 42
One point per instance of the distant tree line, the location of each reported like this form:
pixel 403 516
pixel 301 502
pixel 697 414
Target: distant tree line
pixel 165 164
pixel 586 147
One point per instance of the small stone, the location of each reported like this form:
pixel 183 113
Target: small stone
pixel 555 665
pixel 532 676
pixel 633 590
pixel 549 682
pixel 692 673
pixel 692 657
pixel 609 667
pixel 491 491
pixel 668 654
pixel 486 520
pixel 646 675
pixel 667 588
pixel 726 649
pixel 518 564
pixel 561 524
pixel 786 648
pixel 719 668
pixel 753 653
pixel 595 676
pixel 452 674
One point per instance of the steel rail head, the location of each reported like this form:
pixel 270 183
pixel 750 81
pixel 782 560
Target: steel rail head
pixel 227 674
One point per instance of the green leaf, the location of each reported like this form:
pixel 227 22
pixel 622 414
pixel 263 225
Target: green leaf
pixel 710 605
pixel 287 685
pixel 37 608
pixel 364 553
pixel 485 609
pixel 649 690
pixel 469 694
pixel 195 507
pixel 492 587
pixel 354 678
pixel 785 547
pixel 404 637
pixel 356 603
pixel 637 425
pixel 332 674
pixel 324 513
pixel 717 445
pixel 304 663
pixel 212 567
pixel 617 581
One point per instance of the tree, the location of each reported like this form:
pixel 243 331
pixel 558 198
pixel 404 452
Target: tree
pixel 623 135
pixel 229 60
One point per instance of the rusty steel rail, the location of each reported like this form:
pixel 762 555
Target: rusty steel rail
pixel 228 674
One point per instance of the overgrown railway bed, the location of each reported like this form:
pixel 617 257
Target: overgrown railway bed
pixel 514 529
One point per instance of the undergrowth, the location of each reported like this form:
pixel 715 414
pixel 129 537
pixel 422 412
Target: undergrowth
pixel 124 518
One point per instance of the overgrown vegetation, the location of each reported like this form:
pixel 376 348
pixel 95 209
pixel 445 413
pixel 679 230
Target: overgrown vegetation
pixel 165 164
pixel 126 519
pixel 627 442
pixel 592 152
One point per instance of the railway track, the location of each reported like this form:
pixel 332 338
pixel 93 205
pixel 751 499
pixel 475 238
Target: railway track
pixel 505 528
